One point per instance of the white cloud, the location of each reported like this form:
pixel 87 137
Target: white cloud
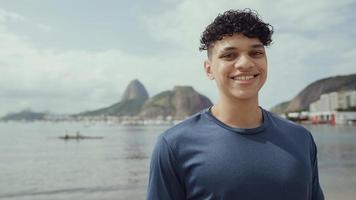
pixel 7 15
pixel 44 27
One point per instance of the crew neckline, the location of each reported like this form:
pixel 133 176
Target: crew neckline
pixel 248 131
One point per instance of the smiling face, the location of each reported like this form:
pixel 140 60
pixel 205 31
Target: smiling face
pixel 239 66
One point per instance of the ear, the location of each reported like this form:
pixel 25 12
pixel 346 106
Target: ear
pixel 208 69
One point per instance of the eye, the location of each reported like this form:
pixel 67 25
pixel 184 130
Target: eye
pixel 257 53
pixel 228 56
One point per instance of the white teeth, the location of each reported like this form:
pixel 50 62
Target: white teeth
pixel 243 78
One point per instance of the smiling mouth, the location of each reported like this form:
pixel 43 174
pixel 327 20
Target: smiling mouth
pixel 244 77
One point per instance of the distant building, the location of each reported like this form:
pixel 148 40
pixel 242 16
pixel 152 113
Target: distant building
pixel 334 101
pixel 334 108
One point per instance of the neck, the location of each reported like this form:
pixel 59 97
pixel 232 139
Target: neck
pixel 238 113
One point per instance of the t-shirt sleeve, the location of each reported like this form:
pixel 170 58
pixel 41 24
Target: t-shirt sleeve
pixel 317 193
pixel 164 182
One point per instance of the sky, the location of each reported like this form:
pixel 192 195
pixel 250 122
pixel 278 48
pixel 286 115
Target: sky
pixel 70 56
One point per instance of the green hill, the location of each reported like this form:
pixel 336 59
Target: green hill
pixel 179 103
pixel 26 115
pixel 132 101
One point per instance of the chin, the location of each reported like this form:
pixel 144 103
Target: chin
pixel 244 95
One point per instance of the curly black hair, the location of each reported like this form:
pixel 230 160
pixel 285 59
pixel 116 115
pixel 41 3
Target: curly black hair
pixel 246 22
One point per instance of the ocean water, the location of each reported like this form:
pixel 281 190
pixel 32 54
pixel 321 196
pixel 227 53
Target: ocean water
pixel 36 165
pixel 337 159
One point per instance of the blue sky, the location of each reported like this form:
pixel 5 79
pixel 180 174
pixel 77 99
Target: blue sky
pixel 70 56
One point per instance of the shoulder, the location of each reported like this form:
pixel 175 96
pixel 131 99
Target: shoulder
pixel 285 123
pixel 182 130
pixel 288 127
pixel 293 132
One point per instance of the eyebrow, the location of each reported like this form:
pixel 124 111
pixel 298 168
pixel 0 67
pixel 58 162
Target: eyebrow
pixel 255 46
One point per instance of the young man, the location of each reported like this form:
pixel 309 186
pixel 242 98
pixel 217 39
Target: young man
pixel 235 149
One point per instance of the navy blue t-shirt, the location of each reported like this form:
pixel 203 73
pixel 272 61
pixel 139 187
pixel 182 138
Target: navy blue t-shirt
pixel 204 159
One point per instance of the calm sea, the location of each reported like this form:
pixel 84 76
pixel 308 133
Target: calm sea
pixel 35 164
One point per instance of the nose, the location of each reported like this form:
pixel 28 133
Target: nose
pixel 244 62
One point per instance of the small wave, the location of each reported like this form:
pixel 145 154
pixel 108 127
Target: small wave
pixel 68 191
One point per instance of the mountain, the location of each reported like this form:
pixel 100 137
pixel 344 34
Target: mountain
pixel 179 103
pixel 312 92
pixel 26 115
pixel 131 103
pixel 280 108
pixel 135 90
